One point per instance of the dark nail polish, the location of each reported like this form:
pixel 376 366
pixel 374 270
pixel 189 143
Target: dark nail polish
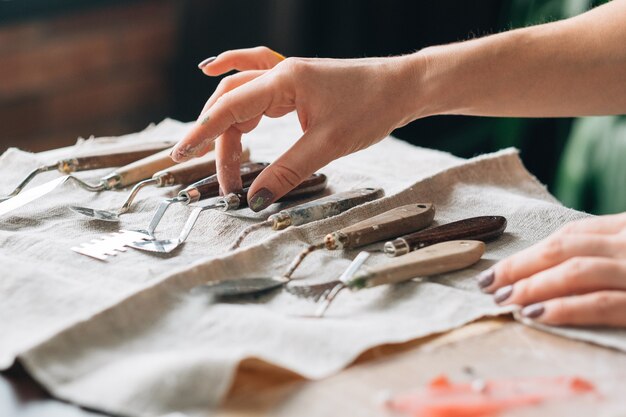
pixel 485 278
pixel 503 293
pixel 206 62
pixel 533 311
pixel 261 200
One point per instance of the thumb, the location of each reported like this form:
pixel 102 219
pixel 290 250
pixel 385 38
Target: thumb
pixel 306 156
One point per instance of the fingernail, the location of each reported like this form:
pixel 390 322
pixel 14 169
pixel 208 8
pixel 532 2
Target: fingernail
pixel 533 311
pixel 261 200
pixel 503 293
pixel 485 278
pixel 181 153
pixel 206 62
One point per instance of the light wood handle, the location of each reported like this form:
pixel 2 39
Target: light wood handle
pixel 387 225
pixel 193 170
pixel 144 168
pixel 111 159
pixel 432 260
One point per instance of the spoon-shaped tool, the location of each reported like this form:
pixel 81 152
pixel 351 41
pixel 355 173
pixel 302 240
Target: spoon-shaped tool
pixel 322 208
pixel 110 244
pixel 181 174
pixel 432 260
pixel 483 228
pixel 316 183
pixel 381 227
pixel 91 162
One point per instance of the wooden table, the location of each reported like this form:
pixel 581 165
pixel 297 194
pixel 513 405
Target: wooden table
pixel 488 348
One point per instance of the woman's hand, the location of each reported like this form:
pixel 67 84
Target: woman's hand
pixel 343 106
pixel 575 277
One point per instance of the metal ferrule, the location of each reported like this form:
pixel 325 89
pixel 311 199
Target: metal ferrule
pixel 191 196
pixel 230 202
pixel 335 240
pixel 396 247
pixel 67 166
pixel 164 179
pixel 111 181
pixel 280 220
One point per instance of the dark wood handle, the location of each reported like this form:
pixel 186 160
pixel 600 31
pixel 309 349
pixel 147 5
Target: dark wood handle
pixel 195 169
pixel 483 228
pixel 110 160
pixel 314 184
pixel 386 225
pixel 209 187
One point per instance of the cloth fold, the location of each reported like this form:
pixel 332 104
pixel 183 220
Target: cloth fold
pixel 131 336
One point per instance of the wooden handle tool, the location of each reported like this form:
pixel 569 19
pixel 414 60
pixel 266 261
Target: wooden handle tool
pixel 483 228
pixel 381 227
pixel 319 209
pixel 437 259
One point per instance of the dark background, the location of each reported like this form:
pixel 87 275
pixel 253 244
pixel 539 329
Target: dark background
pixel 74 68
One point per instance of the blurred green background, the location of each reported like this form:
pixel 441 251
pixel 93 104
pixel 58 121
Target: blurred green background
pixel 82 67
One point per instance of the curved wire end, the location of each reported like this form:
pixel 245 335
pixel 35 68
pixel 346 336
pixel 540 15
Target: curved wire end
pixel 133 193
pixel 298 259
pixel 32 174
pixel 86 186
pixel 245 232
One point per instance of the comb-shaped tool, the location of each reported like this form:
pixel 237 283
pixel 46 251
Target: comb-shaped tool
pixel 432 260
pixel 111 244
pixel 181 174
pixel 390 223
pixel 483 228
pixel 319 209
pixel 90 162
pixel 316 183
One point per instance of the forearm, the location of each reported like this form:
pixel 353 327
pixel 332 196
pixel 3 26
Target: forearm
pixel 573 67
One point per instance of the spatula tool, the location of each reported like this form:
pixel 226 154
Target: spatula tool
pixel 109 245
pixel 390 223
pixel 483 228
pixel 233 201
pixel 181 174
pixel 432 260
pixel 91 162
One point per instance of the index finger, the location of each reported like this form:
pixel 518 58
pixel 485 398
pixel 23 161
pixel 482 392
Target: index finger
pixel 235 107
pixel 258 58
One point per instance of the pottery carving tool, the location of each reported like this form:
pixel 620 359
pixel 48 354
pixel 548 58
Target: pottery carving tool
pixel 322 208
pixel 390 223
pixel 316 183
pixel 384 226
pixel 121 177
pixel 180 174
pixel 483 228
pixel 92 161
pixel 111 244
pixel 432 260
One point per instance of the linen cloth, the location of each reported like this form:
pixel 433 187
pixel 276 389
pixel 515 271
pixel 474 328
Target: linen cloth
pixel 130 336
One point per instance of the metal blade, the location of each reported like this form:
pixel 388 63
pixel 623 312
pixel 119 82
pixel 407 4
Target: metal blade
pixel 30 195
